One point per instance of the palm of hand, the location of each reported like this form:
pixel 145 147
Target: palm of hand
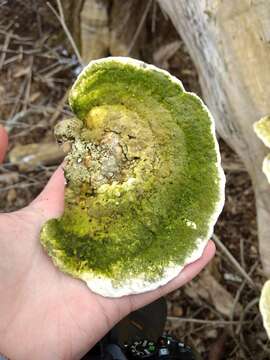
pixel 46 314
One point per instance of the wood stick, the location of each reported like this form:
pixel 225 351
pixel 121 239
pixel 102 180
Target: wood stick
pixel 233 261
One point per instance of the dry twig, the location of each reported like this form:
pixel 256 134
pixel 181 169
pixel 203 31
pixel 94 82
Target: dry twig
pixel 61 19
pixel 240 289
pixel 6 43
pixel 233 261
pixel 139 28
pixel 203 321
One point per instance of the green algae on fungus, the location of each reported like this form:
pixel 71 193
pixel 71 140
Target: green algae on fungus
pixel 144 182
pixel 262 130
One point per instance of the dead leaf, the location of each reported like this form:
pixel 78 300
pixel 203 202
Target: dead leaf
pixel 219 296
pixel 209 289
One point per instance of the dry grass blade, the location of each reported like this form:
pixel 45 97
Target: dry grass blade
pixel 4 49
pixel 29 81
pixel 233 261
pixel 244 313
pixel 10 120
pixel 139 28
pixel 62 21
pixel 240 289
pixel 203 321
pixel 59 109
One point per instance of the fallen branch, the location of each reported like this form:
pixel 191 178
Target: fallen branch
pixel 61 19
pixel 203 321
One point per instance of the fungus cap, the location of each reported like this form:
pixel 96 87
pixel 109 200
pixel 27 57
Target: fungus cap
pixel 266 167
pixel 144 181
pixel 262 130
pixel 264 306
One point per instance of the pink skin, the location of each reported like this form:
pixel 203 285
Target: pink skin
pixel 45 314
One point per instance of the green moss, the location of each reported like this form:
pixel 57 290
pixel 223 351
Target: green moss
pixel 157 142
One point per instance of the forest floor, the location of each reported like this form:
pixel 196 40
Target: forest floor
pixel 216 313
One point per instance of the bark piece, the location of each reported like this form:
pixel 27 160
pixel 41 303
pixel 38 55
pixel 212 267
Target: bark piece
pixel 127 27
pixel 72 10
pixel 94 24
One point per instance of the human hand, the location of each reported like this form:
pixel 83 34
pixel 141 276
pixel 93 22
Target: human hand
pixel 44 313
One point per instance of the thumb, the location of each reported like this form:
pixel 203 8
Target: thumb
pixel 3 143
pixel 50 202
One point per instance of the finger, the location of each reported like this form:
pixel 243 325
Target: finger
pixel 3 143
pixel 50 202
pixel 188 273
pixel 116 309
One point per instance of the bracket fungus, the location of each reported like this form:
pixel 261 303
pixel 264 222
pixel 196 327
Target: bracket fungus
pixel 262 130
pixel 264 306
pixel 144 181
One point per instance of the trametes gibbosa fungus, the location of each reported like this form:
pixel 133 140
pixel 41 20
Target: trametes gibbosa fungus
pixel 144 182
pixel 262 130
pixel 265 306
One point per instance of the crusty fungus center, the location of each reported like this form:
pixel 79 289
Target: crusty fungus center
pixel 106 149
